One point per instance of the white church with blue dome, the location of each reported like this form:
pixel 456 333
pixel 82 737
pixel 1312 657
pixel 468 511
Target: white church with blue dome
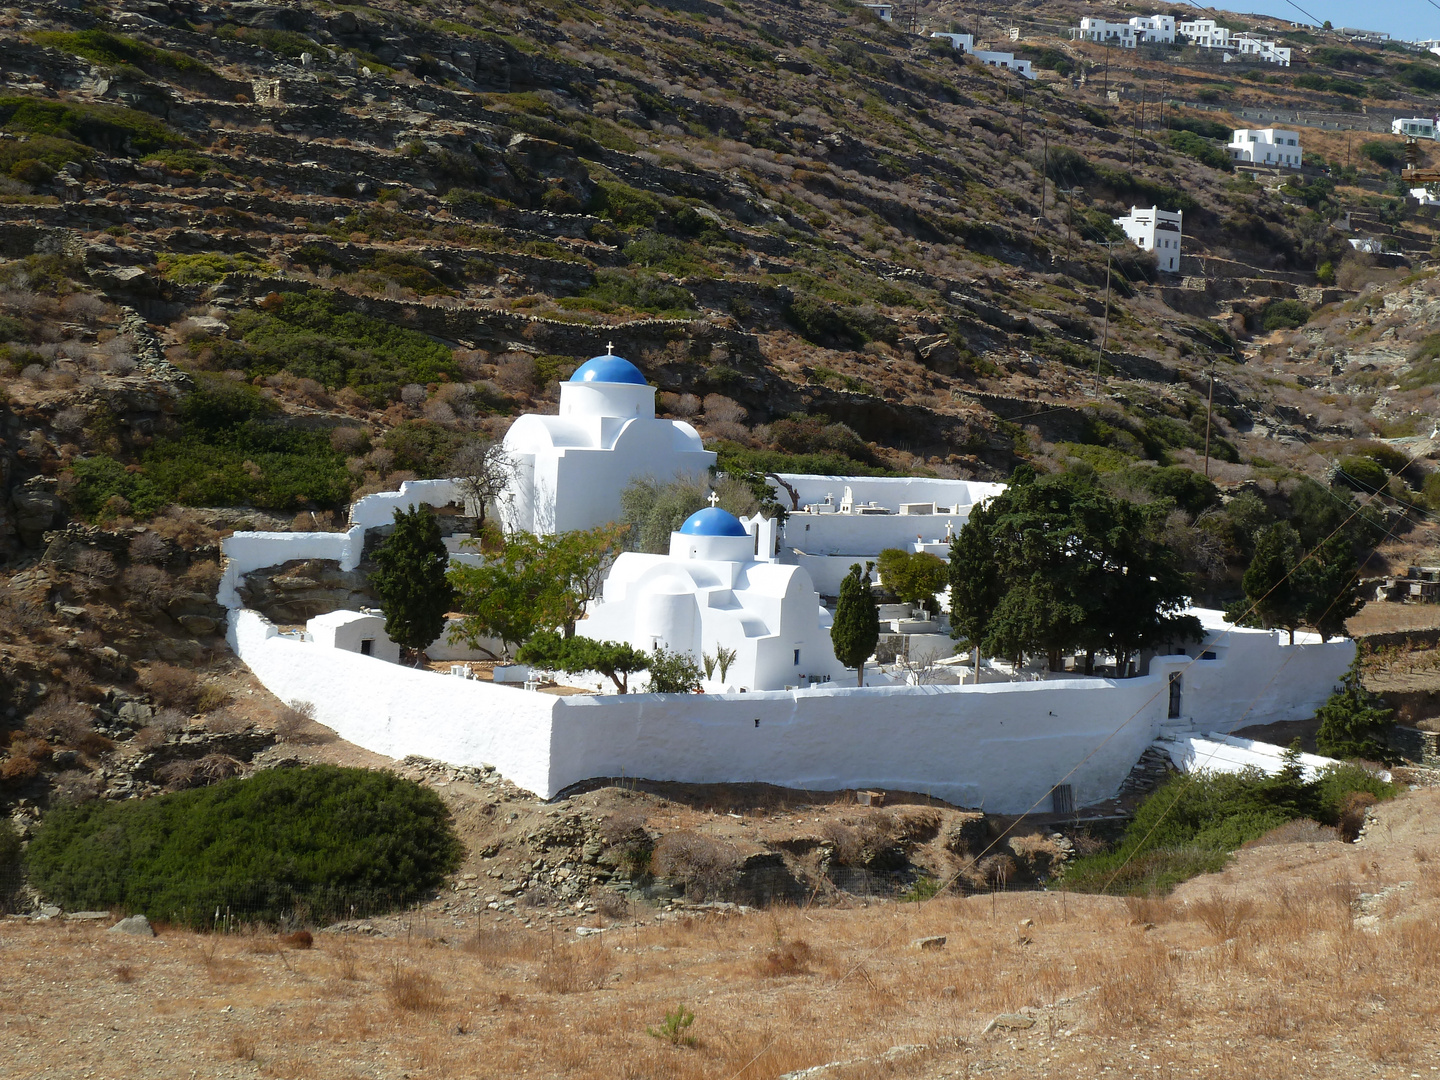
pixel 712 591
pixel 570 469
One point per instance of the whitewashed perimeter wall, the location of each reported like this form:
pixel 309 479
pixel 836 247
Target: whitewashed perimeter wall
pixel 397 710
pixel 998 745
pixel 247 551
pixel 1258 678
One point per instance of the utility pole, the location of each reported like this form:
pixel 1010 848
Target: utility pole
pixel 1105 333
pixel 1107 71
pixel 1044 172
pixel 1209 406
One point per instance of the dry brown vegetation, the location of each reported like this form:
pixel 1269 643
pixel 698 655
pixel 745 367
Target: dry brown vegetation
pixel 1303 959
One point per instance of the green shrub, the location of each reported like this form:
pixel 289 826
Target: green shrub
pixel 321 836
pixel 1200 149
pixel 1191 823
pixel 109 128
pixel 1206 129
pixel 1352 723
pixel 1360 473
pixel 209 267
pixel 312 335
pixel 229 450
pixel 1383 154
pixel 1420 76
pixel 637 291
pixel 1284 315
pixel 626 205
pixel 118 50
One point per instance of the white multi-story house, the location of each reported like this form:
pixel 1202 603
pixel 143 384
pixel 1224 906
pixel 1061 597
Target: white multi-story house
pixel 1258 48
pixel 1153 29
pixel 1207 34
pixel 1158 231
pixel 966 44
pixel 1419 127
pixel 1266 146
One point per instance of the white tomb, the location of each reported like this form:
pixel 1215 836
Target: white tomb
pixel 571 468
pixel 353 631
pixel 712 590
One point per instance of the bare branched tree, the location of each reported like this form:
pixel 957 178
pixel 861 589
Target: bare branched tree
pixel 483 469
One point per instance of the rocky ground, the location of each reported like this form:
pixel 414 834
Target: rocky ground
pixel 1306 958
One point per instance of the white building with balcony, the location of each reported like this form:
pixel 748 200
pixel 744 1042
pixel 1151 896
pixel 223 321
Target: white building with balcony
pixel 1140 30
pixel 1207 34
pixel 1417 127
pixel 1008 61
pixel 1266 146
pixel 1158 231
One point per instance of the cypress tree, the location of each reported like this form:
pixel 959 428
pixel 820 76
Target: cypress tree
pixel 1269 588
pixel 857 622
pixel 410 579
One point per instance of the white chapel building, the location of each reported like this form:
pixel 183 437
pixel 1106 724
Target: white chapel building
pixel 712 590
pixel 570 469
pixel 1156 230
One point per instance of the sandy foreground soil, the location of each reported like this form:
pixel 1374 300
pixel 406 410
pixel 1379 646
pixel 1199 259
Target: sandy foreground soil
pixel 1303 959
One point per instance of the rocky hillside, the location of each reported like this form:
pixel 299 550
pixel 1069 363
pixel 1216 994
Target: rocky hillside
pixel 260 258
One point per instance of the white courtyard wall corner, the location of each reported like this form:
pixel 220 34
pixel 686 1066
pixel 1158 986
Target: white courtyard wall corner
pixel 247 551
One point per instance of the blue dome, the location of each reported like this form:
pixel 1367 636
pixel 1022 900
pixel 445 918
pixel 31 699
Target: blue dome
pixel 609 369
pixel 712 521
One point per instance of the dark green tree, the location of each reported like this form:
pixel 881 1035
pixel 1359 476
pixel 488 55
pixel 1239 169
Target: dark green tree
pixel 856 630
pixel 1270 593
pixel 975 585
pixel 410 579
pixel 1352 720
pixel 1328 587
pixel 1057 565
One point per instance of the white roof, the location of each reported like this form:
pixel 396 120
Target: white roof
pixel 340 618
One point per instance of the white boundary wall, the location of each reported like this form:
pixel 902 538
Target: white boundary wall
pixel 397 710
pixel 997 745
pixel 247 551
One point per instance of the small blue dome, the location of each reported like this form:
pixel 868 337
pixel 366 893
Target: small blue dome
pixel 608 369
pixel 712 521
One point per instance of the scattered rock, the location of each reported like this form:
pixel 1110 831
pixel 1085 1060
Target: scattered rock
pixel 1009 1022
pixel 933 943
pixel 137 925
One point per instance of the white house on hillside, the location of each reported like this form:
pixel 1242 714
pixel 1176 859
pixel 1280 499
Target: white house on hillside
pixel 1141 30
pixel 886 12
pixel 570 469
pixel 1419 127
pixel 712 592
pixel 966 44
pixel 1266 146
pixel 1207 34
pixel 1156 230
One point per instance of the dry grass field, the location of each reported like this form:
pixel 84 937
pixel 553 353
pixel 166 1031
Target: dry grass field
pixel 1306 958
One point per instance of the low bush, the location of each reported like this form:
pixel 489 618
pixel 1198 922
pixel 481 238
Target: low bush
pixel 118 50
pixel 112 129
pixel 1360 473
pixel 1284 315
pixel 704 865
pixel 209 267
pixel 324 837
pixel 1191 823
pixel 313 336
pixel 1200 149
pixel 1381 153
pixel 230 449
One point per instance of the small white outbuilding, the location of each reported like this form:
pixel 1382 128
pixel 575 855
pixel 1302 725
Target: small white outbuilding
pixel 353 631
